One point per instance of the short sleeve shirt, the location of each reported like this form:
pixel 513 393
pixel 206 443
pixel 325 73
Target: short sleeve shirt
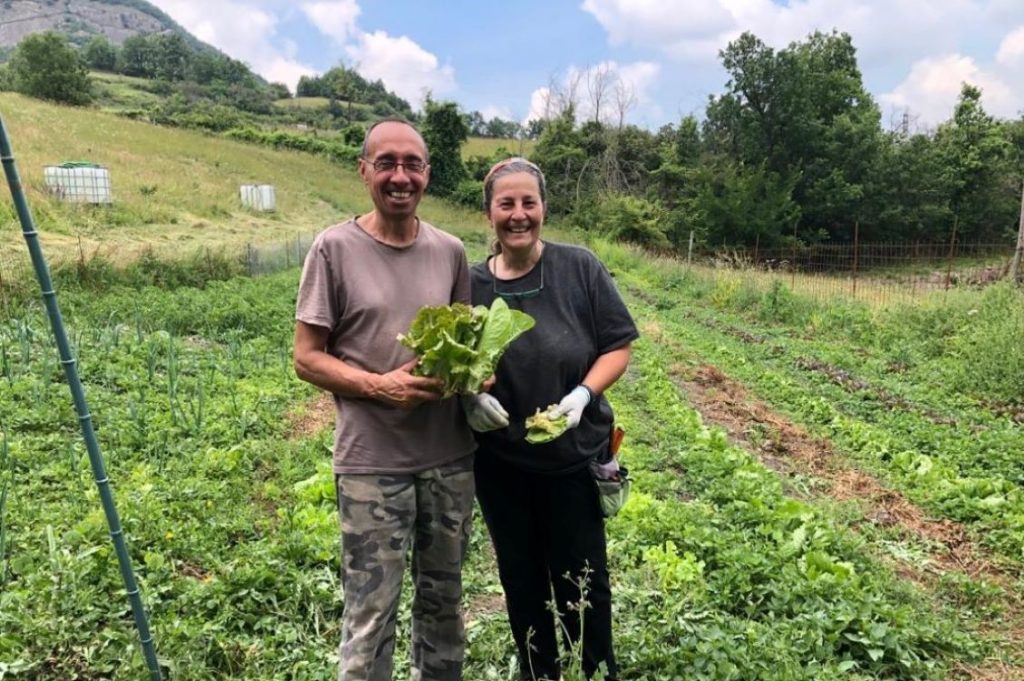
pixel 367 293
pixel 579 316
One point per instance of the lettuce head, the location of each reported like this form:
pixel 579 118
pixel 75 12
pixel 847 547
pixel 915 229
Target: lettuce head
pixel 461 345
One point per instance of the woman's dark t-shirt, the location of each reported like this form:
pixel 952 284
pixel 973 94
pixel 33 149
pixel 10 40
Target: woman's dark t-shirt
pixel 579 316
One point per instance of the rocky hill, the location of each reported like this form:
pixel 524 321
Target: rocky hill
pixel 83 19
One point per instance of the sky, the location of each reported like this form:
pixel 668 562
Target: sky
pixel 661 57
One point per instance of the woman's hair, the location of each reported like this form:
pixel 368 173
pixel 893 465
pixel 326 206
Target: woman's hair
pixel 510 166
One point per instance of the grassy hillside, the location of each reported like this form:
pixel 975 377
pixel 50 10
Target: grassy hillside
pixel 175 190
pixel 485 146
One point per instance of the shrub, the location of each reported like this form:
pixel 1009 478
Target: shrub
pixel 45 66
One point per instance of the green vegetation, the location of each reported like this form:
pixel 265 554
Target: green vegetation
pixel 792 150
pixel 905 392
pixel 462 345
pixel 721 572
pixel 444 131
pixel 44 66
pixel 729 562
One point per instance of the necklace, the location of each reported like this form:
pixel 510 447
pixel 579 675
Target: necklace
pixel 517 295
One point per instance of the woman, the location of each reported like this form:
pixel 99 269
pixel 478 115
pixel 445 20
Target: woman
pixel 540 501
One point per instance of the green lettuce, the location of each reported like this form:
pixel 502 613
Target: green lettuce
pixel 542 428
pixel 461 345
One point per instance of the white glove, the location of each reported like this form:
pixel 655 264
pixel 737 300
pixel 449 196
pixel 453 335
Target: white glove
pixel 572 406
pixel 484 412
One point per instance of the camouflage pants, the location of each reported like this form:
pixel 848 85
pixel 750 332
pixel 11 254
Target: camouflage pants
pixel 382 517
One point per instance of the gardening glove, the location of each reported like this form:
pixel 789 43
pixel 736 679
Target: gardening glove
pixel 484 412
pixel 572 405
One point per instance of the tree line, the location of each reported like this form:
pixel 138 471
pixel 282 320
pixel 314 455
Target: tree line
pixel 794 149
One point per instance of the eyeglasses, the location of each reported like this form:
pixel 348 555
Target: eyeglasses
pixel 386 165
pixel 519 295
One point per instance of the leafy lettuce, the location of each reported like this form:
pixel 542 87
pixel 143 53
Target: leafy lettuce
pixel 461 344
pixel 542 428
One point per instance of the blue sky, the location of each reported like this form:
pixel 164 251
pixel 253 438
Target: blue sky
pixel 658 59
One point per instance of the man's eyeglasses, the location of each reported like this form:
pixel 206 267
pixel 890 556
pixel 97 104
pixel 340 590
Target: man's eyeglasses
pixel 520 295
pixel 386 165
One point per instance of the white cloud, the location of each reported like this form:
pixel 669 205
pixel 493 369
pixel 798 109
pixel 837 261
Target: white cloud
pixel 880 28
pixel 933 86
pixel 1011 49
pixel 287 71
pixel 336 20
pixel 244 32
pixel 405 67
pixel 539 109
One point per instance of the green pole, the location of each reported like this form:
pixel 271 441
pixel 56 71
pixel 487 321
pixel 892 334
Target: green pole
pixel 78 395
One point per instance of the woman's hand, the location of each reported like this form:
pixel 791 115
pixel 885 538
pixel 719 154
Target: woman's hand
pixel 572 405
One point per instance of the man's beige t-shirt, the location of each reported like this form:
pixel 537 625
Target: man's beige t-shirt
pixel 367 293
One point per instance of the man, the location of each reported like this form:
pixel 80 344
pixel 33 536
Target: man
pixel 403 457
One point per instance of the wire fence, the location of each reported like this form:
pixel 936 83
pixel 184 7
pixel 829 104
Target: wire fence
pixel 876 273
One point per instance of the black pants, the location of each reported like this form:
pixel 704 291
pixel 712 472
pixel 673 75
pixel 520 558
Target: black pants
pixel 544 527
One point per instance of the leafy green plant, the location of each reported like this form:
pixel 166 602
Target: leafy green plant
pixel 541 427
pixel 462 344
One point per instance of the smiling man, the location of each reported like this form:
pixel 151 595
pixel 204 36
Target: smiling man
pixel 403 456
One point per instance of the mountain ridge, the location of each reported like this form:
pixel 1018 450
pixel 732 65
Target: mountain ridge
pixel 80 20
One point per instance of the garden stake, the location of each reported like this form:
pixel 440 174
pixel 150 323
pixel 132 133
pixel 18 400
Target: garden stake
pixel 78 395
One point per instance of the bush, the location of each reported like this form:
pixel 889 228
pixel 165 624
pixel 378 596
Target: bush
pixel 637 221
pixel 469 193
pixel 44 65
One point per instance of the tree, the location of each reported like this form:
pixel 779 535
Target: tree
pixel 280 91
pixel 560 154
pixel 137 58
pixel 45 66
pixel 99 54
pixel 172 57
pixel 977 156
pixel 444 130
pixel 800 113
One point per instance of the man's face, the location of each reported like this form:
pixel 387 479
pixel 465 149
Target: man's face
pixel 396 190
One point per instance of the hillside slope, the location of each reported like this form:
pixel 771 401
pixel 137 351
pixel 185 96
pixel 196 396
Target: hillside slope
pixel 83 19
pixel 175 190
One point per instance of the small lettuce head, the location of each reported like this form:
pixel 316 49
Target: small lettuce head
pixel 461 345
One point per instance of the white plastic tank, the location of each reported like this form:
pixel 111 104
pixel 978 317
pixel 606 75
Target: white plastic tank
pixel 79 182
pixel 258 197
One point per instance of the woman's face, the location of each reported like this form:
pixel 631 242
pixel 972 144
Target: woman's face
pixel 516 212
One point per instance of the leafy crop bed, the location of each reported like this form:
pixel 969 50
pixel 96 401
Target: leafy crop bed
pixel 228 505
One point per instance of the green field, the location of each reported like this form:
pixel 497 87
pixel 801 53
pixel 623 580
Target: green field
pixel 175 191
pixel 822 490
pixel 487 146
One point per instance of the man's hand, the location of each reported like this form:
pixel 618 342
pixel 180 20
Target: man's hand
pixel 484 412
pixel 572 406
pixel 400 388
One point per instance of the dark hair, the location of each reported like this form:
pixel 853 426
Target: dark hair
pixel 391 119
pixel 511 166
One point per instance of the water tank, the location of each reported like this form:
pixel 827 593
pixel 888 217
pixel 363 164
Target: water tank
pixel 79 182
pixel 258 196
